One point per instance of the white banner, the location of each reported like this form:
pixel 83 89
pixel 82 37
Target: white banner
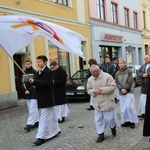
pixel 17 31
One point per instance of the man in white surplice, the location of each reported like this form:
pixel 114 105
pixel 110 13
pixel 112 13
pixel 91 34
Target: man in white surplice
pixel 102 87
pixel 48 124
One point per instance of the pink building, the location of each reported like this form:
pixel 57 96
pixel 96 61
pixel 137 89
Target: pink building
pixel 116 30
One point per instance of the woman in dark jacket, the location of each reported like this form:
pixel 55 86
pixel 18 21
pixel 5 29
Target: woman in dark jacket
pixel 31 96
pixel 60 78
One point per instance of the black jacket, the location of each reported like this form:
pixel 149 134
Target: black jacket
pixel 116 67
pixel 60 78
pixel 44 86
pixel 146 126
pixel 26 85
pixel 144 81
pixel 109 68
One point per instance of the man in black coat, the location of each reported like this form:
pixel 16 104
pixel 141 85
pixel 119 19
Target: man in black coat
pixel 48 124
pixel 146 126
pixel 115 62
pixel 144 74
pixel 30 95
pixel 109 67
pixel 60 78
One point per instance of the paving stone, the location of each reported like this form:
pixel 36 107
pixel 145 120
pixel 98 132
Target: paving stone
pixel 78 131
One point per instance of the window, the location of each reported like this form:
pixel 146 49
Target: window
pixel 81 74
pixel 63 2
pixel 114 13
pixel 101 9
pixel 135 20
pixel 60 56
pixel 126 16
pixel 144 20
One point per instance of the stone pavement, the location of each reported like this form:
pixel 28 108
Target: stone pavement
pixel 78 132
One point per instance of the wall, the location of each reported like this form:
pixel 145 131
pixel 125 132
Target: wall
pixel 74 17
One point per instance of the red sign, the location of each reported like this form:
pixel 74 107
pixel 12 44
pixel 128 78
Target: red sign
pixel 110 37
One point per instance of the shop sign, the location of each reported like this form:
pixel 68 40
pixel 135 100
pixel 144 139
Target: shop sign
pixel 129 49
pixel 112 37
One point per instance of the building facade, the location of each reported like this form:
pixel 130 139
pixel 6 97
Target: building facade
pixel 146 26
pixel 116 30
pixel 72 14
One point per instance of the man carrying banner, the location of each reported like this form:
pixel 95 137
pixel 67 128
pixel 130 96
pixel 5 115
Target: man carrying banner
pixel 48 123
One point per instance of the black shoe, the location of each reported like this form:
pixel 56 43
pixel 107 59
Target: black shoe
pixel 28 128
pixel 113 131
pixel 39 142
pixel 126 124
pixel 142 116
pixel 100 138
pixel 55 135
pixel 132 125
pixel 61 121
pixel 116 100
pixel 35 125
pixel 91 108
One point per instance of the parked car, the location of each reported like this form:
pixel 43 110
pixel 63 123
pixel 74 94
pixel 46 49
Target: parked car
pixel 135 69
pixel 76 86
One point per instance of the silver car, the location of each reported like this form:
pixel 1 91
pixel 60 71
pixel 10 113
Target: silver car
pixel 135 69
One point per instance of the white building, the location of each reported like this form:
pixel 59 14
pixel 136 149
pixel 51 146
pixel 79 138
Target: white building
pixel 116 30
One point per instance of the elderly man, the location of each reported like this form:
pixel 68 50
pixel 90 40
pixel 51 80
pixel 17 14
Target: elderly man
pixel 102 87
pixel 144 74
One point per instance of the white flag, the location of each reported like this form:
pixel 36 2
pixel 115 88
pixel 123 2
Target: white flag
pixel 17 31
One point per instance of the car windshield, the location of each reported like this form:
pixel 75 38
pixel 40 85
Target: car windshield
pixel 81 74
pixel 132 68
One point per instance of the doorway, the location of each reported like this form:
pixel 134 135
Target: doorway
pixel 108 51
pixel 18 75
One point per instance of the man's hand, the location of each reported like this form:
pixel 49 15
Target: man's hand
pixel 27 92
pixel 145 75
pixel 31 80
pixel 97 91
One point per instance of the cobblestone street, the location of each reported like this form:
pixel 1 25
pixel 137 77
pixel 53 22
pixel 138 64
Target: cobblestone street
pixel 78 131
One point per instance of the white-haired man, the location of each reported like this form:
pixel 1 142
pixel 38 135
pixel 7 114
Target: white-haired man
pixel 102 87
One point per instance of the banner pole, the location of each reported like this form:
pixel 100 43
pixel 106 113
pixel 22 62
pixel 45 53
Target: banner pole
pixel 19 67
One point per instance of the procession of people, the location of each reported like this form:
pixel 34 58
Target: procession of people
pixel 45 90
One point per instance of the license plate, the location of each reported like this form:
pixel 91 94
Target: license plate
pixel 69 93
pixel 80 93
